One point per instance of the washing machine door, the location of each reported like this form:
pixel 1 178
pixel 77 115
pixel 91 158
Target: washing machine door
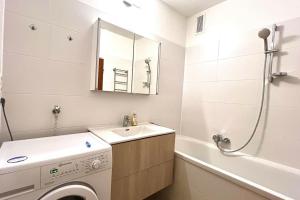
pixel 71 192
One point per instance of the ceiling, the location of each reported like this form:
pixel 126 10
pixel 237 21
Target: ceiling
pixel 191 7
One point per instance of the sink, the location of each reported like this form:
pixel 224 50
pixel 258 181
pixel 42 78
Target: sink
pixel 132 131
pixel 114 135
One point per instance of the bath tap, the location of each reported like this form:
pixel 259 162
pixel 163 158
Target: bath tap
pixel 218 138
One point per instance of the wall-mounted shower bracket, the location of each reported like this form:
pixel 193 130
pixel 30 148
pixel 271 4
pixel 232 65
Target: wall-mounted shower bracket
pixel 272 51
pixel 279 74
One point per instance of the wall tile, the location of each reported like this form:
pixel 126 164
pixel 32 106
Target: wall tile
pixel 169 70
pixel 77 50
pixel 201 91
pixel 236 121
pixel 240 44
pixel 2 5
pixel 65 78
pixel 205 50
pixel 30 112
pixel 171 51
pixel 31 8
pixel 241 68
pixel 26 74
pixel 240 92
pixel 281 136
pixel 283 121
pixel 73 14
pixel 22 74
pixel 18 37
pixel 281 152
pixel 284 92
pixel 198 120
pixel 288 61
pixel 288 34
pixel 205 71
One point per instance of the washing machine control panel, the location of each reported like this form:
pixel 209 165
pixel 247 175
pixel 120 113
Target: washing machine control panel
pixel 71 169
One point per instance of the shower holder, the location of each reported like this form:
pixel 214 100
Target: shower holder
pixel 279 74
pixel 272 51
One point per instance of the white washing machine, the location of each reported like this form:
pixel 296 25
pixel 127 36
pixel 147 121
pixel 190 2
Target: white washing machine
pixel 68 167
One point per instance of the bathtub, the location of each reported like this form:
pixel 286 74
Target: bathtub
pixel 268 179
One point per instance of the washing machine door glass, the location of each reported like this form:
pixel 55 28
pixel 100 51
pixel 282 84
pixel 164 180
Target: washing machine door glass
pixel 71 192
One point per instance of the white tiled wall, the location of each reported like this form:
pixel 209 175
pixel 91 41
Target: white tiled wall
pixel 42 69
pixel 222 91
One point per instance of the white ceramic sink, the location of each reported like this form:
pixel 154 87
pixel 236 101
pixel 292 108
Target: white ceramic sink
pixel 133 131
pixel 124 134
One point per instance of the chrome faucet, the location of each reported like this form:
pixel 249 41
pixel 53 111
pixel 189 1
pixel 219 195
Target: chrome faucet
pixel 126 121
pixel 218 138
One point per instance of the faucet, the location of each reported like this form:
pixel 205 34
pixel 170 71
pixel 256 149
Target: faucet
pixel 130 120
pixel 126 121
pixel 218 138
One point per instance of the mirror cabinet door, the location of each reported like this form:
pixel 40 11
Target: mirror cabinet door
pixel 125 62
pixel 114 58
pixel 145 66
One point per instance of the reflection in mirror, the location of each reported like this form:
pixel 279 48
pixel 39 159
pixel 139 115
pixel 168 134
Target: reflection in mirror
pixel 115 58
pixel 145 66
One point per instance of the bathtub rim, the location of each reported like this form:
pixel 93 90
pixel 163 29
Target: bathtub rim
pixel 243 182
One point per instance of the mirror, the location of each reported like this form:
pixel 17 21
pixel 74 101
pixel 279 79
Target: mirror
pixel 123 61
pixel 114 55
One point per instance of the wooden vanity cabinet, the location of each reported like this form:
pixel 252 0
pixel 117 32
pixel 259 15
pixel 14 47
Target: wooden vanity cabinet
pixel 142 167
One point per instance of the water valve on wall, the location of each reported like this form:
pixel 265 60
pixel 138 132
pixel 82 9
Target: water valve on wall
pixel 56 110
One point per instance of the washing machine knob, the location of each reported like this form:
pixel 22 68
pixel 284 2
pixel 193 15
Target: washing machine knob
pixel 96 164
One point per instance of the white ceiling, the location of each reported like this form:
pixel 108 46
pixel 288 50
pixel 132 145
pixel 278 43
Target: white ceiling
pixel 191 7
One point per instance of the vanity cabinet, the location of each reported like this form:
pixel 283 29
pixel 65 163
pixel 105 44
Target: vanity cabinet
pixel 142 167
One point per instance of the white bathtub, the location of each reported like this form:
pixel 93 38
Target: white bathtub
pixel 269 179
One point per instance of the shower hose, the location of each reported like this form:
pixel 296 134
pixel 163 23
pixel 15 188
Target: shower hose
pixel 258 118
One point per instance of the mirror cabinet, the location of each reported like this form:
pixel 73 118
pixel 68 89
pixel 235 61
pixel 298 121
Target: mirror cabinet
pixel 123 61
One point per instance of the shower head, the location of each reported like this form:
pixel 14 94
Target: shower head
pixel 147 61
pixel 264 34
pixel 127 4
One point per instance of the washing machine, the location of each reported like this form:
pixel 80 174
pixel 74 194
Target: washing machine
pixel 68 167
